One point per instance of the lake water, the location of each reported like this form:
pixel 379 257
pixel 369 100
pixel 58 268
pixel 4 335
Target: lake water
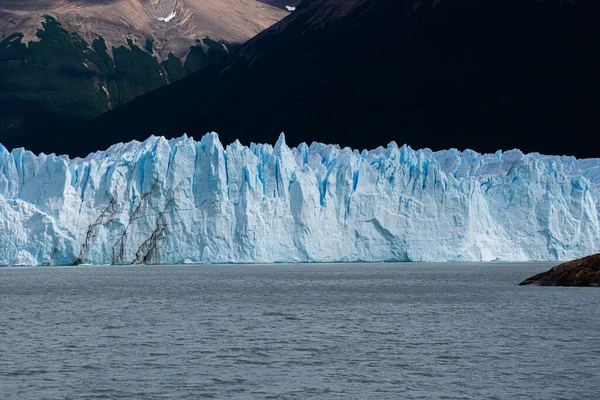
pixel 358 331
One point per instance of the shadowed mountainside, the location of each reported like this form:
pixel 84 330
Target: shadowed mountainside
pixel 67 60
pixel 456 73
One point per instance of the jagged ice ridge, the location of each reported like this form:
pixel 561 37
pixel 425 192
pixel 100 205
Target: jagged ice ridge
pixel 174 201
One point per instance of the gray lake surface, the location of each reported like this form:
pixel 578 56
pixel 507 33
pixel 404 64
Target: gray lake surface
pixel 347 331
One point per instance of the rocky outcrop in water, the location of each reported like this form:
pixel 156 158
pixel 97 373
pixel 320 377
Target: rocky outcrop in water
pixel 582 272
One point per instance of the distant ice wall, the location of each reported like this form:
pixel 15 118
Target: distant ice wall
pixel 172 201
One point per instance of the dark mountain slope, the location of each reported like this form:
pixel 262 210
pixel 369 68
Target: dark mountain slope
pixel 487 75
pixel 68 60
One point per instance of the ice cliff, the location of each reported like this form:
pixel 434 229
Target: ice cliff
pixel 177 201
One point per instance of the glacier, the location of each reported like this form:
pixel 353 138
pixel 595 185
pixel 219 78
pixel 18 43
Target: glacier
pixel 181 201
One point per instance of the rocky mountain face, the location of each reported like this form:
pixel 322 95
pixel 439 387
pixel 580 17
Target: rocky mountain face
pixel 68 60
pixel 283 4
pixel 453 73
pixel 173 25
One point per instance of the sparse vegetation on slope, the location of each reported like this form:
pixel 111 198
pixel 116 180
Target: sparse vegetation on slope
pixel 61 78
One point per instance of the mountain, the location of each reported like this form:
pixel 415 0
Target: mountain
pixel 181 200
pixel 66 60
pixel 283 4
pixel 487 75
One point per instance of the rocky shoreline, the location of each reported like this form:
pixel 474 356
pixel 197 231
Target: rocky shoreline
pixel 581 272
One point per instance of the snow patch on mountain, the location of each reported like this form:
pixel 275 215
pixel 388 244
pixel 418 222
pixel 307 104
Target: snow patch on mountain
pixel 174 201
pixel 168 18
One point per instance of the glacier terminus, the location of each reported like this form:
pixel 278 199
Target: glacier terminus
pixel 174 201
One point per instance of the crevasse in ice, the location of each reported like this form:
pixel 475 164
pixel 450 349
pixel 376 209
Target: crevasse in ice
pixel 180 200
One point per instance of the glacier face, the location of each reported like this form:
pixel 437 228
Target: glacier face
pixel 175 201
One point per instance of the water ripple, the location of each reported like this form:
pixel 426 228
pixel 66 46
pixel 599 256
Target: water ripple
pixel 361 331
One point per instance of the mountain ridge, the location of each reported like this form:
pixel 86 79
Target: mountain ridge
pixel 463 74
pixel 174 25
pixel 66 61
